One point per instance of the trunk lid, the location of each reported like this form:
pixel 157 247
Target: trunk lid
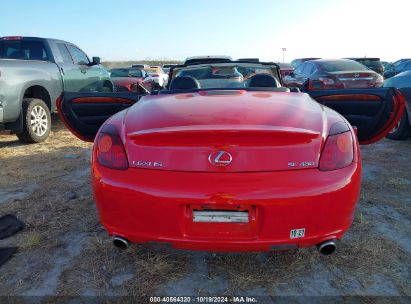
pixel 257 131
pixel 355 79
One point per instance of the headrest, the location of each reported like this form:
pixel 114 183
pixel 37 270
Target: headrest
pixel 184 83
pixel 262 80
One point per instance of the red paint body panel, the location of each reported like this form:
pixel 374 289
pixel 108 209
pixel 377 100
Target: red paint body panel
pixel 181 132
pixel 151 205
pixel 156 204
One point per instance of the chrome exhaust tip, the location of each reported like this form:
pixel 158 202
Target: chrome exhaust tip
pixel 327 247
pixel 120 243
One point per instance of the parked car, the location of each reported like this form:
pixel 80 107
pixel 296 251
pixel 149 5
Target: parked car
pixel 334 74
pixel 285 69
pixel 398 67
pixel 296 62
pixel 402 81
pixel 34 73
pixel 251 168
pixel 166 67
pixel 207 59
pixel 159 77
pixel 127 79
pixel 140 66
pixel 386 65
pixel 371 63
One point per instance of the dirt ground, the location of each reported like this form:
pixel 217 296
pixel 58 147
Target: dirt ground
pixel 65 251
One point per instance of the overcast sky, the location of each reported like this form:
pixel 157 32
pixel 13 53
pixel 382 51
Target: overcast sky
pixel 175 29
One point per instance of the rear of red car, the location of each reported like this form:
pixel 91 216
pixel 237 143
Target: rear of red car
pixel 210 173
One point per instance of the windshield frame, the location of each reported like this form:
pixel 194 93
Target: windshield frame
pixel 271 65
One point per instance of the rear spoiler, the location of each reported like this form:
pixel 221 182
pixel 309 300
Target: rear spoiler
pixel 232 134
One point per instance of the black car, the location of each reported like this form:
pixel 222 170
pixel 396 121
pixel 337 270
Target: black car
pixel 374 64
pixel 333 74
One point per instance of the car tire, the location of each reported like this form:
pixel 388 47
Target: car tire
pixel 401 130
pixel 36 121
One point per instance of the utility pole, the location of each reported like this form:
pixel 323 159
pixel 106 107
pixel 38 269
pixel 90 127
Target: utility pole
pixel 284 50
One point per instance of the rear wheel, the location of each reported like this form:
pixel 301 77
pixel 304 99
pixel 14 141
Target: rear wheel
pixel 401 130
pixel 36 121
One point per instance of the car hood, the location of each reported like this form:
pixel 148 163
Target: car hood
pixel 262 131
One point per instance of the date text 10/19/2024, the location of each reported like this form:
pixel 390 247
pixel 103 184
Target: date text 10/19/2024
pixel 209 299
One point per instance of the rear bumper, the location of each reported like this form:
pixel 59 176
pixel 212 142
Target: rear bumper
pixel 156 206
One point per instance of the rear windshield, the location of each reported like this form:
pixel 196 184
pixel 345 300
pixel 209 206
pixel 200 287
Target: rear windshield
pixel 126 73
pixel 336 66
pixel 23 50
pixel 370 62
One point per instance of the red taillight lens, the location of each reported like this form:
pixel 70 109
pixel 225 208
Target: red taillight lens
pixel 327 81
pixel 110 149
pixel 12 38
pixel 322 83
pixel 338 152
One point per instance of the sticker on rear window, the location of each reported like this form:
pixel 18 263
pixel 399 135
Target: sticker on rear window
pixel 297 233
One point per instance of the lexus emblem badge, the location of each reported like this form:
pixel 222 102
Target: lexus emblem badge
pixel 220 158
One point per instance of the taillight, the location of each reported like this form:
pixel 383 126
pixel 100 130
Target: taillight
pixel 338 152
pixel 322 83
pixel 327 81
pixel 379 81
pixel 12 38
pixel 155 75
pixel 110 149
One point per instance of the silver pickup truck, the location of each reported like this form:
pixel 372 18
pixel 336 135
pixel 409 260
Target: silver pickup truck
pixel 33 74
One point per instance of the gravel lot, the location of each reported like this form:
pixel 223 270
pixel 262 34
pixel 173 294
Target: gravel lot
pixel 65 251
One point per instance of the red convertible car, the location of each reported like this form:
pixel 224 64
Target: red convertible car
pixel 224 162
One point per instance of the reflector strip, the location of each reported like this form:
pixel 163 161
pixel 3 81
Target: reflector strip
pixel 353 97
pixel 102 100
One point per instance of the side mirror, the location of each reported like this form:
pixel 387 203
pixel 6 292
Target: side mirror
pixel 96 60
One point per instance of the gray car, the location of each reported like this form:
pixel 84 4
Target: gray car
pixel 34 72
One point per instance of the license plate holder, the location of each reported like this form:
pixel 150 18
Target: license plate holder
pixel 220 216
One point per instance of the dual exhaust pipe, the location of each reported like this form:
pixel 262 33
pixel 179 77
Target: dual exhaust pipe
pixel 325 248
pixel 120 242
